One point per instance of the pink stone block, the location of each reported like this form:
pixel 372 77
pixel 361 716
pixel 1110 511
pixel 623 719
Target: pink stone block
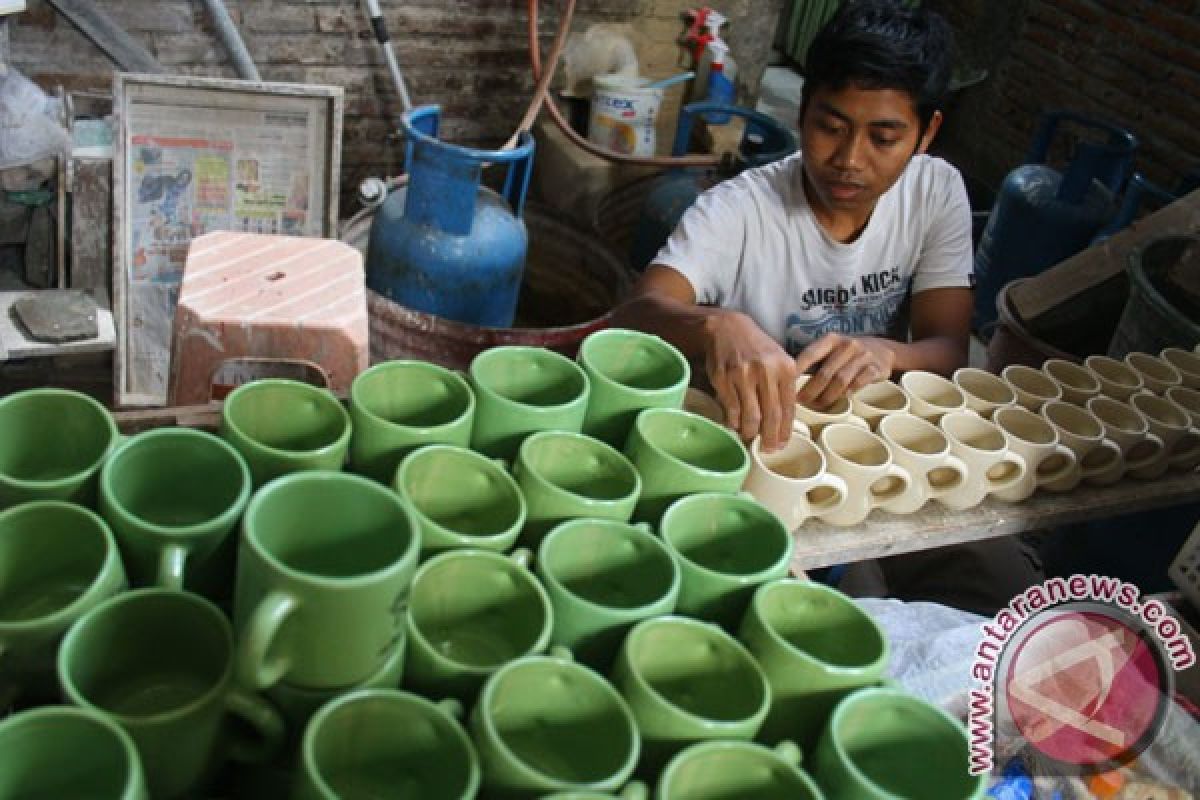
pixel 280 298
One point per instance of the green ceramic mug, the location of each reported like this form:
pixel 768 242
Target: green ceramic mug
pixel 64 752
pixel 678 453
pixel 738 771
pixel 816 646
pixel 52 444
pixel 688 681
pixel 385 743
pixel 399 406
pixel 602 577
pixel 566 475
pixel 323 572
pixel 629 371
pixel 172 497
pixel 470 611
pixel 633 791
pixel 160 664
pixel 545 724
pixel 727 546
pixel 520 390
pixel 881 744
pixel 461 499
pixel 59 560
pixel 282 426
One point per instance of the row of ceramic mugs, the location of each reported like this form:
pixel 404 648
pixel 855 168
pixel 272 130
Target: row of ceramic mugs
pixel 899 445
pixel 150 673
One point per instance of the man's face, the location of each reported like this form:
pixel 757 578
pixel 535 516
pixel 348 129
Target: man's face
pixel 856 144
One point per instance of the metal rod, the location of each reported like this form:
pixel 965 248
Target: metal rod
pixel 127 52
pixel 381 36
pixel 228 33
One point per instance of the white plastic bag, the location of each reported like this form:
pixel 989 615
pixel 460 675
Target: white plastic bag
pixel 29 130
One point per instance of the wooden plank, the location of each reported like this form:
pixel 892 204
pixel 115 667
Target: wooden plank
pixel 91 223
pixel 13 339
pixel 883 534
pixel 1059 284
pixel 206 417
pixel 125 51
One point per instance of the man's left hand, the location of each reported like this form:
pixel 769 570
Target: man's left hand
pixel 846 363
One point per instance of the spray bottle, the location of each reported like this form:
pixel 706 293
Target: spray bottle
pixel 713 20
pixel 721 89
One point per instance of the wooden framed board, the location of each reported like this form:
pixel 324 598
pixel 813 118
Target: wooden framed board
pixel 194 155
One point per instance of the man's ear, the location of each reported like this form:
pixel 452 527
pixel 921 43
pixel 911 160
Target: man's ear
pixel 935 122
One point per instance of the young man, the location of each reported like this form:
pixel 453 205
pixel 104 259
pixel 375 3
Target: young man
pixel 850 261
pixel 821 263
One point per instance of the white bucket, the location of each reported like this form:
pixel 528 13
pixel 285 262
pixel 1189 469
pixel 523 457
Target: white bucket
pixel 624 113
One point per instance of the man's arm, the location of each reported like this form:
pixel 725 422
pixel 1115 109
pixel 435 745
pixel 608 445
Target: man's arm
pixel 753 376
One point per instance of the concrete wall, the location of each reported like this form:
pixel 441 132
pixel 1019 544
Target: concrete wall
pixel 468 55
pixel 1133 62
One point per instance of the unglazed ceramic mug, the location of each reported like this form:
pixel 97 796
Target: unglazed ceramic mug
pixel 565 475
pixel 60 751
pixel 545 724
pixel 461 499
pixel 159 663
pixel 52 445
pixel 60 560
pixel 726 546
pixel 1187 362
pixel 385 743
pixel 921 448
pixel 1157 374
pixel 399 406
pixel 1100 459
pixel 1078 384
pixel 282 426
pixel 983 447
pixel 1143 451
pixel 1188 400
pixel 469 612
pixel 1033 387
pixel 520 390
pixel 629 371
pixel 816 421
pixel 1117 379
pixel 876 400
pixel 728 770
pixel 1035 440
pixel 319 549
pixel 985 392
pixel 932 395
pixel 603 577
pixel 815 646
pixel 688 681
pixel 1172 424
pixel 794 483
pixel 173 496
pixel 677 453
pixel 865 462
pixel 882 744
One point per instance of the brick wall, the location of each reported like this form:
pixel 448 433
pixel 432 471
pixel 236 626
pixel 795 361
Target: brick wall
pixel 1133 62
pixel 468 55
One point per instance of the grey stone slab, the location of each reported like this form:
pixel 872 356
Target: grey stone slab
pixel 57 316
pixel 18 345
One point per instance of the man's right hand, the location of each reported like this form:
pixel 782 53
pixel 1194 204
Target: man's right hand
pixel 754 378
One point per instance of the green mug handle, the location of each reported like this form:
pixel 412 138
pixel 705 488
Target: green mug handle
pixel 634 791
pixel 790 752
pixel 453 707
pixel 171 563
pixel 254 669
pixel 522 557
pixel 559 651
pixel 266 722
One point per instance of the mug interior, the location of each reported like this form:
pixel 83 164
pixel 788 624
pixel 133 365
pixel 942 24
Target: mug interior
pixel 734 771
pixel 726 534
pixel 609 564
pixel 529 376
pixel 1026 426
pixel 64 752
pixel 51 435
pixel 634 360
pixel 391 744
pixel 824 624
pixel 1153 367
pixel 985 386
pixel 799 460
pixel 1117 415
pixel 461 491
pixel 882 395
pixel 695 441
pixel 1073 419
pixel 52 554
pixel 933 389
pixel 1071 375
pixel 1032 382
pixel 855 445
pixel 1187 362
pixel 286 415
pixel 915 435
pixel 1113 371
pixel 1161 410
pixel 412 394
pixel 580 465
pixel 699 669
pixel 974 432
pixel 478 609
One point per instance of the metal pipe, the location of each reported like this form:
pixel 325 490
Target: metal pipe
pixel 228 33
pixel 389 55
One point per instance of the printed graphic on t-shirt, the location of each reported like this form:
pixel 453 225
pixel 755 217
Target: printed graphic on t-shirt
pixel 873 306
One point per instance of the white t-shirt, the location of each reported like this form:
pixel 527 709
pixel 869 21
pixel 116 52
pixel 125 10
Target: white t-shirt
pixel 752 244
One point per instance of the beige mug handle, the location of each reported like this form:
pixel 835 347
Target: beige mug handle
pixel 1070 465
pixel 1111 469
pixel 959 467
pixel 1180 459
pixel 1146 461
pixel 1007 483
pixel 893 471
pixel 832 482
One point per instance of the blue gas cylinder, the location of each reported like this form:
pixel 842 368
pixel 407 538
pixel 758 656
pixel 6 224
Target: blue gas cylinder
pixel 446 245
pixel 763 142
pixel 1043 216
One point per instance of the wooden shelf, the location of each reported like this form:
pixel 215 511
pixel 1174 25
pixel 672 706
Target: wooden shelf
pixel 884 534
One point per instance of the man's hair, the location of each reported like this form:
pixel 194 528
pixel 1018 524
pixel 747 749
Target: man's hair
pixel 883 44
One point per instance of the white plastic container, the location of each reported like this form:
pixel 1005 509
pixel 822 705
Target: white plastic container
pixel 624 113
